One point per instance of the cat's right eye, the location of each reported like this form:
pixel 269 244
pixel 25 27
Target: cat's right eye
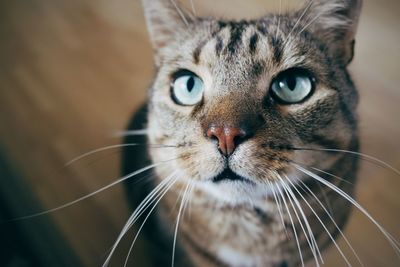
pixel 187 89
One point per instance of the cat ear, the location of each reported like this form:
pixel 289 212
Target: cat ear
pixel 164 19
pixel 335 22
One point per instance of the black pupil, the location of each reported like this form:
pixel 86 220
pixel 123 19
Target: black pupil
pixel 190 84
pixel 291 82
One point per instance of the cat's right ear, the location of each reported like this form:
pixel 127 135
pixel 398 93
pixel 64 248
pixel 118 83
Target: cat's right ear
pixel 164 19
pixel 335 22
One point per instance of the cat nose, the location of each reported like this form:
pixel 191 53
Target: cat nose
pixel 228 138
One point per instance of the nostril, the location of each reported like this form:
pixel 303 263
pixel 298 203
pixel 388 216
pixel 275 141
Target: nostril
pixel 237 140
pixel 213 138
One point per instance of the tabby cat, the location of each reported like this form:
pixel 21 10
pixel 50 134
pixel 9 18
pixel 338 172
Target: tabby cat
pixel 244 121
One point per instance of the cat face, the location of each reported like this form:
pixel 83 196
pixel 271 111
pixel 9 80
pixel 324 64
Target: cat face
pixel 239 101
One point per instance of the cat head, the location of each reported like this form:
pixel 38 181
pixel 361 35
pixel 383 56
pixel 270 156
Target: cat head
pixel 237 100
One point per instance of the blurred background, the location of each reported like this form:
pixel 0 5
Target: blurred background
pixel 73 72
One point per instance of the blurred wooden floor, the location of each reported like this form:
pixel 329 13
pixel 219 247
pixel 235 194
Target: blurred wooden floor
pixel 72 72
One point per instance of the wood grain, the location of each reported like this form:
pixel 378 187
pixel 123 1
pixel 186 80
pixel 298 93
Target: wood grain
pixel 72 72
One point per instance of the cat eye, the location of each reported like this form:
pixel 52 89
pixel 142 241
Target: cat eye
pixel 187 88
pixel 292 86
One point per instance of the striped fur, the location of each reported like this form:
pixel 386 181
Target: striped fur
pixel 237 61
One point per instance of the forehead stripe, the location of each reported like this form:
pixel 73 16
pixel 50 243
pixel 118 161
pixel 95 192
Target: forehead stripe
pixel 253 43
pixel 197 51
pixel 235 41
pixel 219 45
pixel 262 27
pixel 277 46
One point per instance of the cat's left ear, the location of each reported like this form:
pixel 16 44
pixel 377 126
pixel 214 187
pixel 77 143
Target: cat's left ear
pixel 165 18
pixel 335 22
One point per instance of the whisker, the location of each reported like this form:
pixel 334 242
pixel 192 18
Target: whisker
pixel 311 22
pixel 298 21
pixel 325 197
pixel 91 194
pixel 193 7
pixel 332 175
pixel 87 154
pixel 304 219
pixel 160 196
pixel 310 192
pixel 191 188
pixel 293 227
pixel 177 223
pixel 149 199
pixel 320 186
pixel 190 202
pixel 279 205
pixel 310 236
pixel 393 242
pixel 180 13
pixel 322 223
pixel 72 161
pixel 361 155
pixel 178 199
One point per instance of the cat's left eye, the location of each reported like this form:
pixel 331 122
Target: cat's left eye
pixel 292 86
pixel 187 89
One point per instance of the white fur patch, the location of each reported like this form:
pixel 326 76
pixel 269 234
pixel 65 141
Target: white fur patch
pixel 235 193
pixel 235 258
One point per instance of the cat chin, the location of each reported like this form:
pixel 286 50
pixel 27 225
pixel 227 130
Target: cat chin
pixel 236 258
pixel 235 193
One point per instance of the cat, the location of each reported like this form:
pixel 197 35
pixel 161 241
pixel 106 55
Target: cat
pixel 245 124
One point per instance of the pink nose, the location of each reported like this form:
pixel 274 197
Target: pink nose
pixel 228 138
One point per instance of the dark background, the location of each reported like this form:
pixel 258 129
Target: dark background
pixel 72 72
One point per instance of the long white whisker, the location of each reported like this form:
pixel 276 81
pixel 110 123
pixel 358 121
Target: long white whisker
pixel 298 21
pixel 332 219
pixel 180 12
pixel 177 224
pixel 193 7
pixel 294 228
pixel 91 194
pixel 97 151
pixel 190 202
pixel 325 197
pixel 160 196
pixel 323 225
pixel 393 242
pixel 304 218
pixel 187 203
pixel 332 175
pixel 178 199
pixel 149 199
pixel 311 22
pixel 279 205
pixel 87 154
pixel 309 237
pixel 362 155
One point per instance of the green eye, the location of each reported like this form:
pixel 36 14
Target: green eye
pixel 187 89
pixel 292 86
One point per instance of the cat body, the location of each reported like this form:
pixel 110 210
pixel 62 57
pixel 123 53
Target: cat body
pixel 239 151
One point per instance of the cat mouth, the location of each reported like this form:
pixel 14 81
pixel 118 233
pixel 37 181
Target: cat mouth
pixel 229 175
